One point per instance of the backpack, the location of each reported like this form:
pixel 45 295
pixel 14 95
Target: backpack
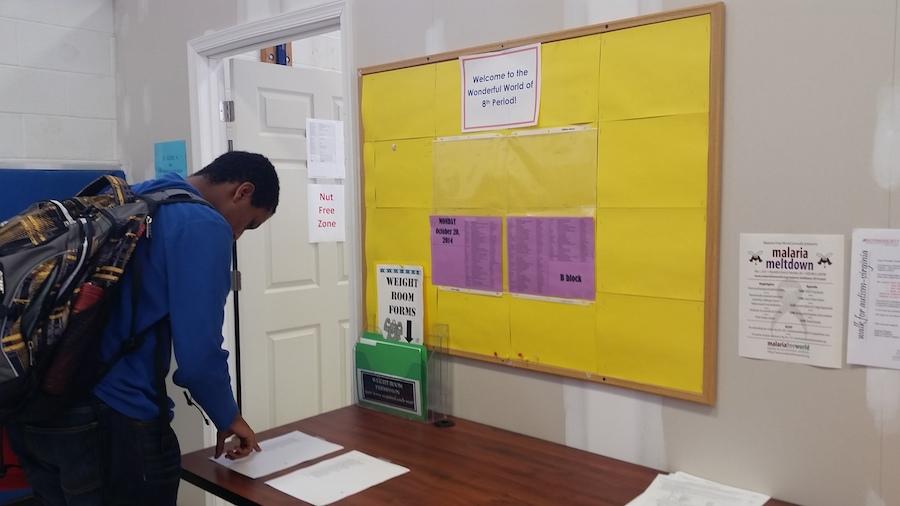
pixel 60 267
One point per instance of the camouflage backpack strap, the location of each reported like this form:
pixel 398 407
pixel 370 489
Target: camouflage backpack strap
pixel 118 189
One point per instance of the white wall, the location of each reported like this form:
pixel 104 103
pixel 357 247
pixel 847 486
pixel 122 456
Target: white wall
pixel 57 86
pixel 322 52
pixel 152 77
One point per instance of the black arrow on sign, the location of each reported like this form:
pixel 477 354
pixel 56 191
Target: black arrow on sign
pixel 408 331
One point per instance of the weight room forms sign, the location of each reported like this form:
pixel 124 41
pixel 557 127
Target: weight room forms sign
pixel 400 315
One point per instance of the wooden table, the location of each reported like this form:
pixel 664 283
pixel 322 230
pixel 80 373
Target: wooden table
pixel 467 464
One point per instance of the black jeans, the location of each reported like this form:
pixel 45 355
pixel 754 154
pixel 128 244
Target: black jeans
pixel 92 455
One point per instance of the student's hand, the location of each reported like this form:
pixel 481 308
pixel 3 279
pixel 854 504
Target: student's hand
pixel 245 435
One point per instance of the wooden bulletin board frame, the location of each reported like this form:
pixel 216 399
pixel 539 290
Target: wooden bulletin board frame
pixel 707 395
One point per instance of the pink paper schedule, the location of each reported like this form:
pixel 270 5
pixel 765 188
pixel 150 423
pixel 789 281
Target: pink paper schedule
pixel 551 257
pixel 466 252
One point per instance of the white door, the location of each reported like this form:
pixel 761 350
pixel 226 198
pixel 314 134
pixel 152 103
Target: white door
pixel 294 305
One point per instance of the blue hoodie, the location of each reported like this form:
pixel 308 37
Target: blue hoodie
pixel 185 267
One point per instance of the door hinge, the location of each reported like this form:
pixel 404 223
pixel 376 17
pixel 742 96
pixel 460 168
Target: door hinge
pixel 235 281
pixel 226 111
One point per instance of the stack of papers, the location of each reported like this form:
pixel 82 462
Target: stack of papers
pixel 280 453
pixel 334 479
pixel 682 489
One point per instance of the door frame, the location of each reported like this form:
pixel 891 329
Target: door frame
pixel 206 77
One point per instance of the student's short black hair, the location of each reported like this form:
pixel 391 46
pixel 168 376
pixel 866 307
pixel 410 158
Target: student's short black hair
pixel 244 167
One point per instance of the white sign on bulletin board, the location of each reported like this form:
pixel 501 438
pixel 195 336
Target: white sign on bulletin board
pixel 400 315
pixel 501 89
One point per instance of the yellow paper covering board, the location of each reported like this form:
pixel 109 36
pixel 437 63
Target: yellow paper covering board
pixel 470 174
pixel 398 236
pixel 655 70
pixel 430 292
pixel 371 298
pixel 665 349
pixel 475 323
pixel 652 252
pixel 402 173
pixel 398 104
pixel 654 162
pixel 554 334
pixel 369 173
pixel 447 100
pixel 552 171
pixel 570 70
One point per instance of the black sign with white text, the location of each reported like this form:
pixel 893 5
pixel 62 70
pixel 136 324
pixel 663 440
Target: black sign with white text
pixel 389 391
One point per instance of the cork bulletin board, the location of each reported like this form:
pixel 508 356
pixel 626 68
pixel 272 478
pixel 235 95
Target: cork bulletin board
pixel 627 139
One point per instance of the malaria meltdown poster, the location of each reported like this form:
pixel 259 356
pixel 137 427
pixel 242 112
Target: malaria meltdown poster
pixel 792 298
pixel 400 316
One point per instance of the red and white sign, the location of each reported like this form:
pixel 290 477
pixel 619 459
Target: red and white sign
pixel 326 213
pixel 501 89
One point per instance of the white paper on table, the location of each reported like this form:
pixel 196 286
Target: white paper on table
pixel 334 479
pixel 280 453
pixel 873 329
pixel 686 490
pixel 325 148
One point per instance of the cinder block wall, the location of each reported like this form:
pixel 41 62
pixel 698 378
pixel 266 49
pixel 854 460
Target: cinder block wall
pixel 57 83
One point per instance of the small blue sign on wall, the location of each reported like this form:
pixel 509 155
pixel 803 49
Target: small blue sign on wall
pixel 170 157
